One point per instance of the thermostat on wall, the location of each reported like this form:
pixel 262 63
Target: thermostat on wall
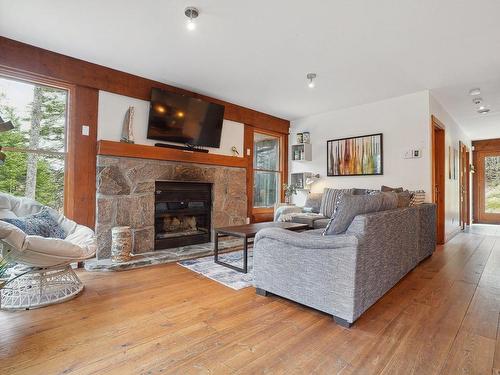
pixel 413 154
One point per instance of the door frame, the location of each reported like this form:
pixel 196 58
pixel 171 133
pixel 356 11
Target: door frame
pixel 263 214
pixel 479 150
pixel 438 135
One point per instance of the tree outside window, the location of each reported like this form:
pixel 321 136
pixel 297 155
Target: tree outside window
pixel 36 147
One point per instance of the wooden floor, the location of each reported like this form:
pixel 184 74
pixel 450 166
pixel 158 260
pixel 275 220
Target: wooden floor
pixel 442 318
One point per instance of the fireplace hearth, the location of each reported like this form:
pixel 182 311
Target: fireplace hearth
pixel 182 213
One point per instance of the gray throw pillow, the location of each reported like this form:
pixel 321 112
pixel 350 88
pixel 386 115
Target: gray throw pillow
pixel 313 202
pixel 329 200
pixel 404 199
pixel 387 189
pixel 351 206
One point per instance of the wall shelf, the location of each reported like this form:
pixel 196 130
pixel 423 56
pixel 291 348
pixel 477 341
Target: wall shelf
pixel 302 152
pixel 128 150
pixel 299 180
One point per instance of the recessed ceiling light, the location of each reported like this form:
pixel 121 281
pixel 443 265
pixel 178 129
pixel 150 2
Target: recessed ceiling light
pixel 311 77
pixel 476 91
pixel 191 13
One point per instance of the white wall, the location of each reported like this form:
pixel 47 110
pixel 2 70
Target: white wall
pixel 112 109
pixel 404 122
pixel 453 134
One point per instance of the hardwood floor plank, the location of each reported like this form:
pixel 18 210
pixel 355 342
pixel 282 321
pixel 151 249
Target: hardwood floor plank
pixel 443 317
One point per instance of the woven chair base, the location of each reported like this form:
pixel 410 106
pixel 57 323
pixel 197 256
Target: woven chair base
pixel 39 288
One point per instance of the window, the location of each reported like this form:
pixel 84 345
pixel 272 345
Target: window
pixel 36 147
pixel 266 165
pixel 492 184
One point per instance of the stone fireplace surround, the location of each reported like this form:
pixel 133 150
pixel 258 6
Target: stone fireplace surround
pixel 125 196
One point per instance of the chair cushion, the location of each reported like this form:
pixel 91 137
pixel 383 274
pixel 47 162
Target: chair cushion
pixel 351 206
pixel 329 200
pixel 313 202
pixel 40 224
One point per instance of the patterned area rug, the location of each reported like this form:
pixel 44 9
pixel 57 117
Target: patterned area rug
pixel 224 275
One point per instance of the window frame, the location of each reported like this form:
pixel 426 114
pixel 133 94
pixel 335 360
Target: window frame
pixel 35 79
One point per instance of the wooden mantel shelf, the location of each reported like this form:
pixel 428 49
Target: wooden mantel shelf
pixel 111 148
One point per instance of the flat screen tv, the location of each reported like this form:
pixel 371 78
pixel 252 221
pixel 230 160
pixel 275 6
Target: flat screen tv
pixel 184 119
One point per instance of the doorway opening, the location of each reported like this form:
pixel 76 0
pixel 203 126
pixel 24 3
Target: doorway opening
pixel 438 176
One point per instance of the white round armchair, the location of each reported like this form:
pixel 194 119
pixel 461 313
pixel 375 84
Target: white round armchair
pixel 49 278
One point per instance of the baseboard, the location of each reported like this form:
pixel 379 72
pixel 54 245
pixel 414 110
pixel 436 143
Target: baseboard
pixel 452 234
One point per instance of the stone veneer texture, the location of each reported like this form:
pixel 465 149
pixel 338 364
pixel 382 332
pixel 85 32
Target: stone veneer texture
pixel 125 196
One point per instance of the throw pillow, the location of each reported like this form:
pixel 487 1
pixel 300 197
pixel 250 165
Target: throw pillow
pixel 387 189
pixel 357 191
pixel 39 224
pixel 313 202
pixel 329 200
pixel 404 199
pixel 351 206
pixel 418 197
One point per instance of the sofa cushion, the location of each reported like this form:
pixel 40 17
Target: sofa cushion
pixel 329 200
pixel 313 202
pixel 308 219
pixel 351 206
pixel 321 223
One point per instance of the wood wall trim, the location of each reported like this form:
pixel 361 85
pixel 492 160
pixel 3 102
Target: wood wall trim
pixel 487 145
pixel 27 58
pixel 111 148
pixel 80 188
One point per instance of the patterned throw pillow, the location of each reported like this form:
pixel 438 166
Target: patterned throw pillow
pixel 329 200
pixel 387 189
pixel 418 197
pixel 39 224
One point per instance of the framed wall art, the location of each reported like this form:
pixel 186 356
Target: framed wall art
pixel 355 156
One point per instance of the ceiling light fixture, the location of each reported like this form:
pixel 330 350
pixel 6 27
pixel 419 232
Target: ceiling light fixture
pixel 311 77
pixel 191 13
pixel 476 91
pixel 483 110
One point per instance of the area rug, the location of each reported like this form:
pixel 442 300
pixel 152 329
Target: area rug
pixel 224 275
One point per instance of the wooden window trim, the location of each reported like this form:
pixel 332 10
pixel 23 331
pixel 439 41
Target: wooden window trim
pixel 257 214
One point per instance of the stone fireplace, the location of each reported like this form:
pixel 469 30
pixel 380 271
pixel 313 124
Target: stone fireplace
pixel 126 189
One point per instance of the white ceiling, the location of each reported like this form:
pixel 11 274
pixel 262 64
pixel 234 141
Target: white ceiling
pixel 257 53
pixel 458 103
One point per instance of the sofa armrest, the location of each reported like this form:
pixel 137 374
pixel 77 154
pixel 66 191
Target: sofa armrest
pixel 307 240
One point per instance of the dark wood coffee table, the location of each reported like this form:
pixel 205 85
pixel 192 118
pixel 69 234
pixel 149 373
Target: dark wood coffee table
pixel 246 232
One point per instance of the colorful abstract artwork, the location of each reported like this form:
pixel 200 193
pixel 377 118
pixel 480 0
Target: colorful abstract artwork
pixel 356 156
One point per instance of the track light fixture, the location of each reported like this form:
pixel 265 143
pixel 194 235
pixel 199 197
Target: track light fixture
pixel 191 13
pixel 310 78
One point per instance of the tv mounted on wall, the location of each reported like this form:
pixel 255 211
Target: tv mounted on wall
pixel 183 119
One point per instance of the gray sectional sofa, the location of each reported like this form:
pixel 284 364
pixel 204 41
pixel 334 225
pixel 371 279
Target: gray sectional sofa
pixel 343 275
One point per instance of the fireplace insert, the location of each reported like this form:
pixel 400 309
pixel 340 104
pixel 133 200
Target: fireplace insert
pixel 182 213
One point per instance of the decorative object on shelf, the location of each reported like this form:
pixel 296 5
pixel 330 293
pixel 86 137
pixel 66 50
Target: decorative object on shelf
pixel 121 246
pixel 300 138
pixel 355 156
pixel 128 126
pixel 289 190
pixel 4 127
pixel 306 137
pixel 234 150
pixel 302 152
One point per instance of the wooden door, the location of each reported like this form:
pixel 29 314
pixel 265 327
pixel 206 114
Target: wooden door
pixel 488 187
pixel 438 176
pixel 464 185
